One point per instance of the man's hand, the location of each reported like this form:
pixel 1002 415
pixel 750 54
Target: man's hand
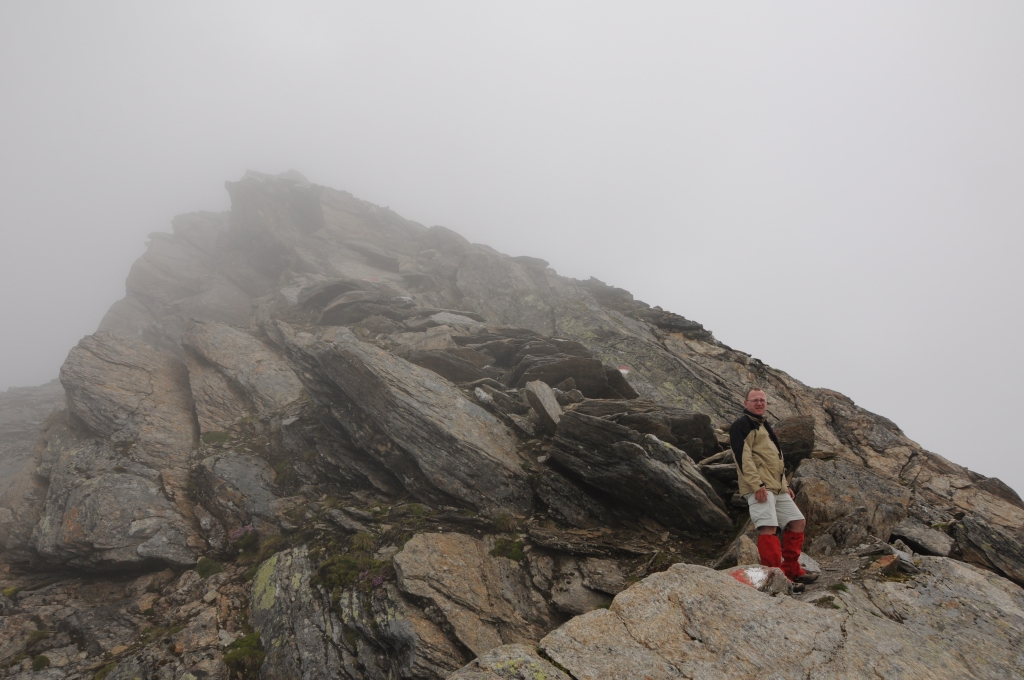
pixel 761 495
pixel 790 492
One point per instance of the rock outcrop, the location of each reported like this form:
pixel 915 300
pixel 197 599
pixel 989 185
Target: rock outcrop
pixel 316 439
pixel 692 622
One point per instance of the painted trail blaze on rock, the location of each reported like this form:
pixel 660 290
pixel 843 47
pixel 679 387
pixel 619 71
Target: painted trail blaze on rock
pixel 765 579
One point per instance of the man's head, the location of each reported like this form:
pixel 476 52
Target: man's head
pixel 756 402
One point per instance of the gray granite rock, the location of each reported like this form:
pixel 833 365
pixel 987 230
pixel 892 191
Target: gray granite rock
pixel 683 623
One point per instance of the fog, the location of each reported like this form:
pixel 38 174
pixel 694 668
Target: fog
pixel 837 189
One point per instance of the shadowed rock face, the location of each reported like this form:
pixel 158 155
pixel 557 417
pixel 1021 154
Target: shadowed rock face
pixel 637 471
pixel 441 452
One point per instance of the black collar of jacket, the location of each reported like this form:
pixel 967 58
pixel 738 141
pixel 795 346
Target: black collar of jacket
pixel 742 427
pixel 760 420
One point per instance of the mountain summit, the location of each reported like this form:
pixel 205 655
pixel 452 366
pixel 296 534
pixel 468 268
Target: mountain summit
pixel 318 440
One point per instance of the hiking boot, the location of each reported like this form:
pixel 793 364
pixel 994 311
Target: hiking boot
pixel 807 577
pixel 798 588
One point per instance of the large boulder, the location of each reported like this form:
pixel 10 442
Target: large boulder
pixel 691 622
pixel 444 448
pixel 486 601
pixel 645 475
pixel 829 490
pixel 117 475
pixel 105 510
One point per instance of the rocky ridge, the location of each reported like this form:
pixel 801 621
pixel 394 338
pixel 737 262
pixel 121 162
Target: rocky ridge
pixel 316 439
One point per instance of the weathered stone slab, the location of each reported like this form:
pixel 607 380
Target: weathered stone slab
pixel 446 449
pixel 829 490
pixel 447 365
pixel 922 538
pixel 487 601
pixel 265 379
pixel 991 546
pixel 623 464
pixel 543 401
pixel 294 620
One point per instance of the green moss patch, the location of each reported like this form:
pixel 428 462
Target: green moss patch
pixel 40 662
pixel 215 437
pixel 505 522
pixel 505 547
pixel 206 567
pixel 244 656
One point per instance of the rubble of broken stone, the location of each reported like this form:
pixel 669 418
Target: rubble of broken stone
pixel 318 440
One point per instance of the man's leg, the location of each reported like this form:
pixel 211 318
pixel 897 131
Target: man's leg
pixel 768 547
pixel 792 545
pixel 767 523
pixel 792 540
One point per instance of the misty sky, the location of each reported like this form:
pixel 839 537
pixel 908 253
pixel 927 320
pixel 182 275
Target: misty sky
pixel 836 188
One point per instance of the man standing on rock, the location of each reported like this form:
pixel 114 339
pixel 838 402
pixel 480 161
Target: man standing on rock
pixel 762 477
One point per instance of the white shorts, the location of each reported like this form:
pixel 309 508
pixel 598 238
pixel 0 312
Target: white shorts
pixel 777 511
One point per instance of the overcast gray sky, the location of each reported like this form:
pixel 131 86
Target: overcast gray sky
pixel 837 188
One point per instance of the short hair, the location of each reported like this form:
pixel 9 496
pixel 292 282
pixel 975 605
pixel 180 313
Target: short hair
pixel 754 389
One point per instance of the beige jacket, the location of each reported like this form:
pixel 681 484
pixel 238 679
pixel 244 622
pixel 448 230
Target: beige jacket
pixel 762 463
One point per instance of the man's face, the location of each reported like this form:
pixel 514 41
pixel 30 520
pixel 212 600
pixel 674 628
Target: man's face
pixel 756 403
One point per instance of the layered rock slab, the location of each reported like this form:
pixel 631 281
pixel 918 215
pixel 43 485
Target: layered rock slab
pixel 105 510
pixel 135 393
pixel 642 472
pixel 444 448
pixel 232 373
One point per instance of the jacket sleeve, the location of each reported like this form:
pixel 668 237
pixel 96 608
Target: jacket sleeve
pixel 746 468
